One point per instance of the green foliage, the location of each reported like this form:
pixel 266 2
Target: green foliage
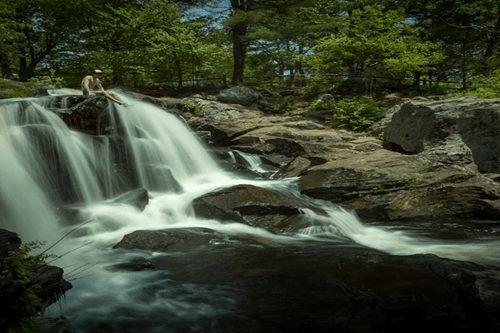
pixel 9 89
pixel 189 107
pixel 381 136
pixel 316 87
pixel 427 90
pixel 51 79
pixel 483 86
pixel 318 105
pixel 357 112
pixel 152 42
pixel 377 37
pixel 23 309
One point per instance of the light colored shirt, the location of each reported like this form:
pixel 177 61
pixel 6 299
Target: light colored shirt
pixel 89 83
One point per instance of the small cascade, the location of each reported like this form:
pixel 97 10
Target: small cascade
pixel 53 155
pixel 252 162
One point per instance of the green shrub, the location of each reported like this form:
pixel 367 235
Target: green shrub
pixel 483 86
pixel 190 107
pixel 381 136
pixel 315 87
pixel 52 80
pixel 318 105
pixel 357 112
pixel 9 89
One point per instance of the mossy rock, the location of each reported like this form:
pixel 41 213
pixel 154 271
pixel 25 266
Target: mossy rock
pixel 13 89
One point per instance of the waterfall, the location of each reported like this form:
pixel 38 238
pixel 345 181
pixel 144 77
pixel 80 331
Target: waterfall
pixel 46 166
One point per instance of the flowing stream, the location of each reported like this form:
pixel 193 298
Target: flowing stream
pixel 48 170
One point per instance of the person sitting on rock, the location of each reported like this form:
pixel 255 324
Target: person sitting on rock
pixel 89 82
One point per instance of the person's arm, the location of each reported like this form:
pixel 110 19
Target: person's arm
pixel 99 86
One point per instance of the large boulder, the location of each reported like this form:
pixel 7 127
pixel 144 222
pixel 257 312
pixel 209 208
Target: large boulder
pixel 385 185
pixel 238 95
pixel 457 131
pixel 255 206
pixel 85 113
pixel 184 240
pixel 138 198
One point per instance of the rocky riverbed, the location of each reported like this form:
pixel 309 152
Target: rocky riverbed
pixel 435 172
pixel 433 180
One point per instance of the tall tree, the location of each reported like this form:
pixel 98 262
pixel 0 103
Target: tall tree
pixel 469 31
pixel 242 18
pixel 372 40
pixel 37 28
pixel 147 40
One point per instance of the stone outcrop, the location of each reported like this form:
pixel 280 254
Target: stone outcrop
pixel 238 95
pixel 457 131
pixel 356 171
pixel 83 113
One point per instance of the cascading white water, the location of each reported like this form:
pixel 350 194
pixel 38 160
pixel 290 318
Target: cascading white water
pixel 45 166
pixel 165 156
pixel 253 162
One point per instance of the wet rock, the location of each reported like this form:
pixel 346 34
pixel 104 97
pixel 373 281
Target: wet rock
pixel 296 167
pixel 88 115
pixel 167 240
pixel 52 283
pixel 182 240
pixel 255 206
pixel 238 95
pixel 42 90
pixel 333 288
pixel 138 198
pixel 343 184
pixel 9 242
pixel 134 265
pixel 169 104
pixel 465 201
pixel 403 188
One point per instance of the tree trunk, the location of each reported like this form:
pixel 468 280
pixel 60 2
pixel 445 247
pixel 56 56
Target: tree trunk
pixel 239 51
pixel 23 68
pixel 416 79
pixel 492 46
pixel 179 69
pixel 5 65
